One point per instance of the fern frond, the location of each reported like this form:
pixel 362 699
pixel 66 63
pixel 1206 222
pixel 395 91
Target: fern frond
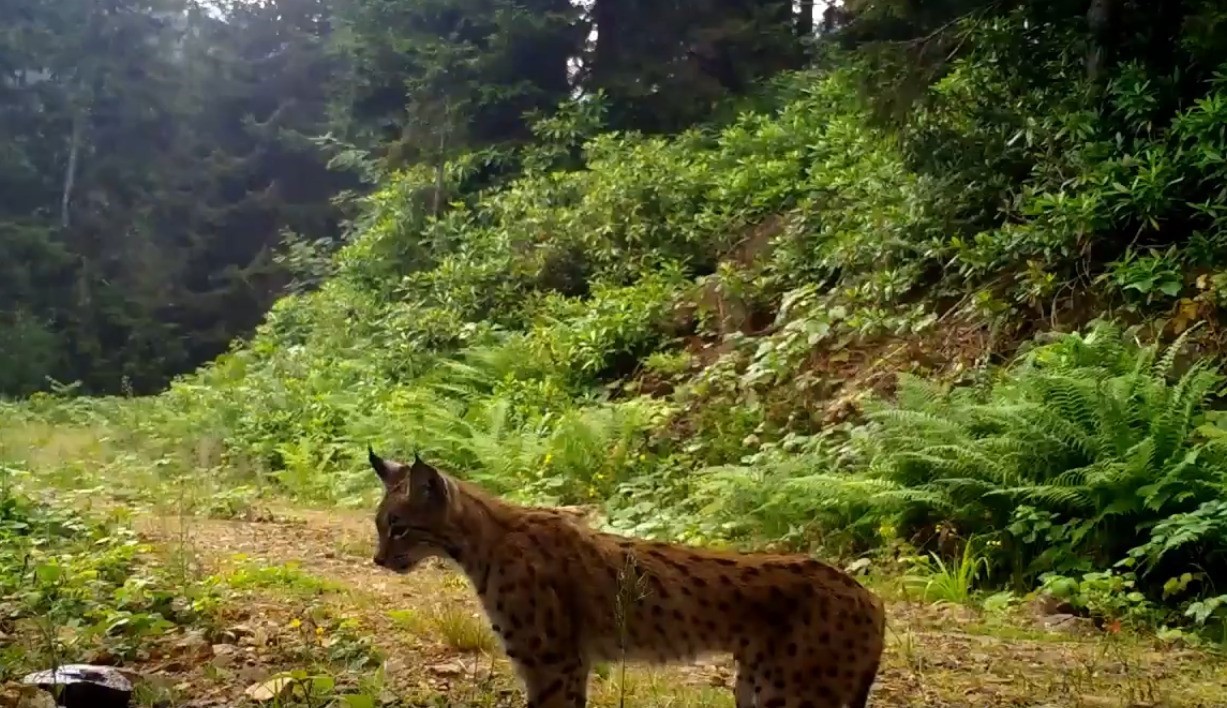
pixel 1163 367
pixel 1076 499
pixel 916 496
pixel 915 393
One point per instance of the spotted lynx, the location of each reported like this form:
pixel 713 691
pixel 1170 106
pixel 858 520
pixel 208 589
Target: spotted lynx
pixel 563 596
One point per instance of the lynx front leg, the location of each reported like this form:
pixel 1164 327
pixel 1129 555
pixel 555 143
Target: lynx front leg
pixel 743 693
pixel 566 687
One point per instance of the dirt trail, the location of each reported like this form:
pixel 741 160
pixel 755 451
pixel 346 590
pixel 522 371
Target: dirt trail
pixel 937 656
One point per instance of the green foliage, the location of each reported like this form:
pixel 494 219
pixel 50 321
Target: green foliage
pixel 1147 277
pixel 1106 596
pixel 72 586
pixel 671 324
pixel 1087 453
pixel 154 156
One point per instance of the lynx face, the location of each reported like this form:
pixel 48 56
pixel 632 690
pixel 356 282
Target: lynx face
pixel 412 519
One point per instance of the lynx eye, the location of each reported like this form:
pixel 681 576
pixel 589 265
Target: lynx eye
pixel 398 532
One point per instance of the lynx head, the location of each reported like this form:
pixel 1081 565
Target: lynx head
pixel 413 517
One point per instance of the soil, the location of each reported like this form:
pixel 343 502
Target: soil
pixel 426 625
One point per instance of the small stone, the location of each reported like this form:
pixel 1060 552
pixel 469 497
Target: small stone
pixel 100 657
pixel 1066 623
pixel 17 695
pixel 226 655
pixel 272 689
pixel 447 668
pixel 85 686
pixel 858 566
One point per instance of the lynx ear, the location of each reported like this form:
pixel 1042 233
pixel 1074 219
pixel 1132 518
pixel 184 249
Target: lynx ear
pixel 380 467
pixel 426 482
pixel 392 474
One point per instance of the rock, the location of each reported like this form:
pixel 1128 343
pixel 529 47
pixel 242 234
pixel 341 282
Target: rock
pixel 447 668
pixel 85 686
pixel 16 695
pixel 1067 623
pixel 858 566
pixel 99 657
pixel 225 655
pixel 273 689
pixel 1046 604
pixel 193 645
pixel 238 632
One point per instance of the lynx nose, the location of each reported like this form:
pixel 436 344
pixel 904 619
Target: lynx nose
pixel 379 559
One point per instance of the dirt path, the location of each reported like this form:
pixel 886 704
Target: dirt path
pixel 314 593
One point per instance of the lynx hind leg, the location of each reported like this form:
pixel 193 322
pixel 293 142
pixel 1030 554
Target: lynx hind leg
pixel 809 669
pixel 861 699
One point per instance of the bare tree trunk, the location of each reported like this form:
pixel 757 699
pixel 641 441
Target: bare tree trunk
pixel 805 19
pixel 1101 18
pixel 442 160
pixel 607 54
pixel 70 172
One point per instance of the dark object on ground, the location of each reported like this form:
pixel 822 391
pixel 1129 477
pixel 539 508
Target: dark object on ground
pixel 85 686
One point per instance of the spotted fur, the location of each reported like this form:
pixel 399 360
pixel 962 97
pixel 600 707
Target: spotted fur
pixel 563 597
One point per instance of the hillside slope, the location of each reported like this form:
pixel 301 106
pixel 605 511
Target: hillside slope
pixel 684 329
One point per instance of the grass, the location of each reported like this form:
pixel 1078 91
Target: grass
pixel 286 578
pixel 953 582
pixel 464 630
pixel 459 628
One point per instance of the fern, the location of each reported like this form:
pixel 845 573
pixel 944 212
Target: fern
pixel 1089 429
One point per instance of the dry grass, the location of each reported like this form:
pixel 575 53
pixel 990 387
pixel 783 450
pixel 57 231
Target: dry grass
pixel 460 628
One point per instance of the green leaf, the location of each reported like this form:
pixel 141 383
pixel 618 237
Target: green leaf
pixel 48 573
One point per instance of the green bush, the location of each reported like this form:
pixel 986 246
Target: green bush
pixel 71 587
pixel 1083 451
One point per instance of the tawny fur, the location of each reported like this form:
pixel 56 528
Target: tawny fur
pixel 563 596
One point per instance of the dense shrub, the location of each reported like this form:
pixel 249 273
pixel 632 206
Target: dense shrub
pixel 1069 458
pixel 1087 453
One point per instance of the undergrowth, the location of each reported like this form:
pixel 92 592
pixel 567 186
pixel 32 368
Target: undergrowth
pixel 74 587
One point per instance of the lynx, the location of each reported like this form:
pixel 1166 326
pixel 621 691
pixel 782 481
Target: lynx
pixel 563 596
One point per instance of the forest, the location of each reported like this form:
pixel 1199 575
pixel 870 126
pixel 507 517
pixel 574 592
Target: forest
pixel 931 289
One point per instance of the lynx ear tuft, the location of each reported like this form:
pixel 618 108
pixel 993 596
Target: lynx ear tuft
pixel 382 468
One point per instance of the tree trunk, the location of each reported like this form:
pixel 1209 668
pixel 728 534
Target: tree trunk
pixel 70 172
pixel 804 22
pixel 1101 18
pixel 607 55
pixel 442 161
